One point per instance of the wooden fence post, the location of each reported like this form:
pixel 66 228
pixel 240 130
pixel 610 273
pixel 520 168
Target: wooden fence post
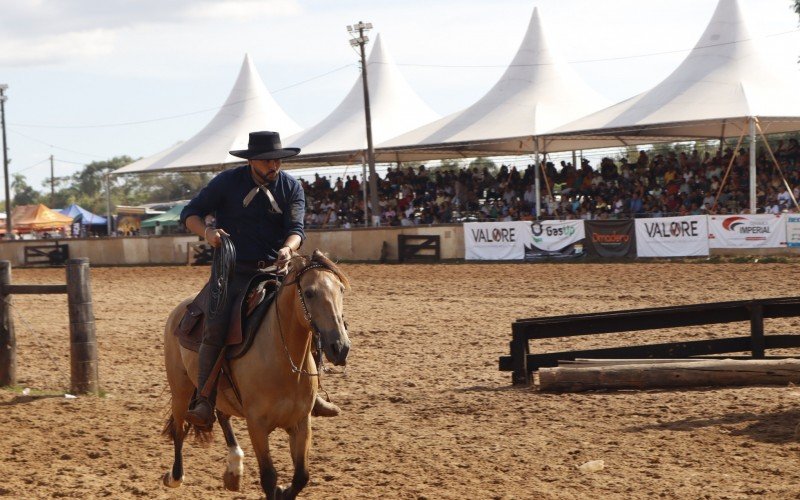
pixel 8 341
pixel 757 329
pixel 519 359
pixel 82 338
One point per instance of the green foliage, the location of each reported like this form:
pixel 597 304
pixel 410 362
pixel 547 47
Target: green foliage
pixel 87 187
pixel 24 194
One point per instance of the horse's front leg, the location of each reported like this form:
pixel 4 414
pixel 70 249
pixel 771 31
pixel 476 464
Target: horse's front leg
pixel 233 471
pixel 259 435
pixel 299 444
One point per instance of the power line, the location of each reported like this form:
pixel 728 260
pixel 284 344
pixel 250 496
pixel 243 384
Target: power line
pixel 182 115
pixel 584 61
pixel 30 167
pixel 54 146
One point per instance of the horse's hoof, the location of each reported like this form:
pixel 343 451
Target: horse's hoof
pixel 170 482
pixel 231 481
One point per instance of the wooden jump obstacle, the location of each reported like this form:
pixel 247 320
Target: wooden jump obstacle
pixel 522 363
pixel 83 342
pixel 419 248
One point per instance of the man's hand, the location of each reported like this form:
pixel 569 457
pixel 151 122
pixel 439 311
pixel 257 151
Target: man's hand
pixel 284 255
pixel 213 235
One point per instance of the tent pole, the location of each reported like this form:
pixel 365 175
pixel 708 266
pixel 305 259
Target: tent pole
pixel 364 187
pixel 536 185
pixel 753 179
pixel 777 165
pixel 108 203
pixel 574 159
pixel 727 171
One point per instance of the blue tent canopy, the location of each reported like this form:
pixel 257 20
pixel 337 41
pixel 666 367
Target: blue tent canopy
pixel 83 216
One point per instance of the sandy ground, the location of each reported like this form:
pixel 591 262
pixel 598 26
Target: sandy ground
pixel 427 413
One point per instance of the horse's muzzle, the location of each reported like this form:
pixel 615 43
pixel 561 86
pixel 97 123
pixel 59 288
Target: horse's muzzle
pixel 337 352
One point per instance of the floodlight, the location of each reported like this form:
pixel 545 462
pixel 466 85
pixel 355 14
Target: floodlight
pixel 349 28
pixel 365 39
pixel 354 42
pixel 3 86
pixel 369 26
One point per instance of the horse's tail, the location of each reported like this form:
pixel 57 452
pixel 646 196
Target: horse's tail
pixel 172 433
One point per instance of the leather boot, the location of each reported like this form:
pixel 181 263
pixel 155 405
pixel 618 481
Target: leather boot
pixel 201 412
pixel 324 408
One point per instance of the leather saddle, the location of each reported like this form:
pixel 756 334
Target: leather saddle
pixel 249 310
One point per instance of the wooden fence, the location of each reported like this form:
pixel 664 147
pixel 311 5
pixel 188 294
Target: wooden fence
pixel 83 341
pixel 522 363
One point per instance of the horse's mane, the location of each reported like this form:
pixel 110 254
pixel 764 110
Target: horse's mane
pixel 300 261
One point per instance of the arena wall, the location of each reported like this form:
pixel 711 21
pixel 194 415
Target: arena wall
pixel 363 244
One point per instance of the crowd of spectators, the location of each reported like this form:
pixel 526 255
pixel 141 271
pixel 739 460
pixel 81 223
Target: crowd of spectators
pixel 656 183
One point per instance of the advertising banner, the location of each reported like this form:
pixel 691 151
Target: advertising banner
pixel 554 239
pixel 495 240
pixel 672 236
pixel 746 231
pixel 793 230
pixel 610 238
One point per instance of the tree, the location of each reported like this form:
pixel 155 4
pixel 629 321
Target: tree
pixel 24 194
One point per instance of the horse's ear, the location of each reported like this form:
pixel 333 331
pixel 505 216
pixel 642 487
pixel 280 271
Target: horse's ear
pixel 317 255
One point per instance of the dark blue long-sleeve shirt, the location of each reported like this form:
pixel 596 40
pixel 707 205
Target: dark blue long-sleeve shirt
pixel 256 231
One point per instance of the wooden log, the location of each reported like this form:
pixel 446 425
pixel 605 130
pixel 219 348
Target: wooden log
pixel 8 340
pixel 725 372
pixel 586 362
pixel 83 340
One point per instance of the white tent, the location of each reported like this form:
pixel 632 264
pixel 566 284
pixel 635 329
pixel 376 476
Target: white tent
pixel 340 137
pixel 537 93
pixel 249 107
pixel 724 80
pixel 723 86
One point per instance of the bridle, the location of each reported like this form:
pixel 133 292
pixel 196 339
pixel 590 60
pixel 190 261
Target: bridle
pixel 316 336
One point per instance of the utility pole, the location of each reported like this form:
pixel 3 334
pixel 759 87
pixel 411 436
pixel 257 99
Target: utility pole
pixel 359 39
pixel 52 184
pixel 3 88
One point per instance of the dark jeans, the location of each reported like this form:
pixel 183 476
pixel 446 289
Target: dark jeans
pixel 216 328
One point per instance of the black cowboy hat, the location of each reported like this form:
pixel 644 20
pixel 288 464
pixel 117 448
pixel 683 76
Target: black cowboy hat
pixel 265 146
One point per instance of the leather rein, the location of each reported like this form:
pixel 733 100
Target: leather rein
pixel 316 336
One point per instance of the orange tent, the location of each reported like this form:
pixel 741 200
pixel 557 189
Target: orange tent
pixel 26 218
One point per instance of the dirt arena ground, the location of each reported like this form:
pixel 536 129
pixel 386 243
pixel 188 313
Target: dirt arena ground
pixel 427 414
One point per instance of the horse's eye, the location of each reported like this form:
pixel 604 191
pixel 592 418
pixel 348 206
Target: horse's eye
pixel 309 294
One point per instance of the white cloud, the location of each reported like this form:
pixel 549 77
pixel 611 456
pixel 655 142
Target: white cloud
pixel 54 48
pixel 244 10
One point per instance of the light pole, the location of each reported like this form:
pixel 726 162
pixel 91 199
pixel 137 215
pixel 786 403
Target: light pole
pixel 3 88
pixel 360 40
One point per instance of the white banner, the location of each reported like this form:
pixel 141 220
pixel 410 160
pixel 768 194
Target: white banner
pixel 793 230
pixel 746 231
pixel 672 236
pixel 495 240
pixel 554 235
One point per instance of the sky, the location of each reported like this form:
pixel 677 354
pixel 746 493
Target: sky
pixel 93 79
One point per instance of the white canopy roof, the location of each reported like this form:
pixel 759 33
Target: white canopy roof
pixel 249 107
pixel 341 136
pixel 537 93
pixel 724 80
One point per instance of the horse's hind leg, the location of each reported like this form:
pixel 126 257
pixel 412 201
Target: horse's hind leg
pixel 299 444
pixel 177 432
pixel 235 467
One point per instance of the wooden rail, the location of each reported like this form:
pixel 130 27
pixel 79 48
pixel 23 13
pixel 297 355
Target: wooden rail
pixel 522 363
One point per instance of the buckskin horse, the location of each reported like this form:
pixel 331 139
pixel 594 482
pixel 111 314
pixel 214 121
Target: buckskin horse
pixel 276 378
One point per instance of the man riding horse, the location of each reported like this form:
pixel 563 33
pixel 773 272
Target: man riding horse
pixel 261 209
